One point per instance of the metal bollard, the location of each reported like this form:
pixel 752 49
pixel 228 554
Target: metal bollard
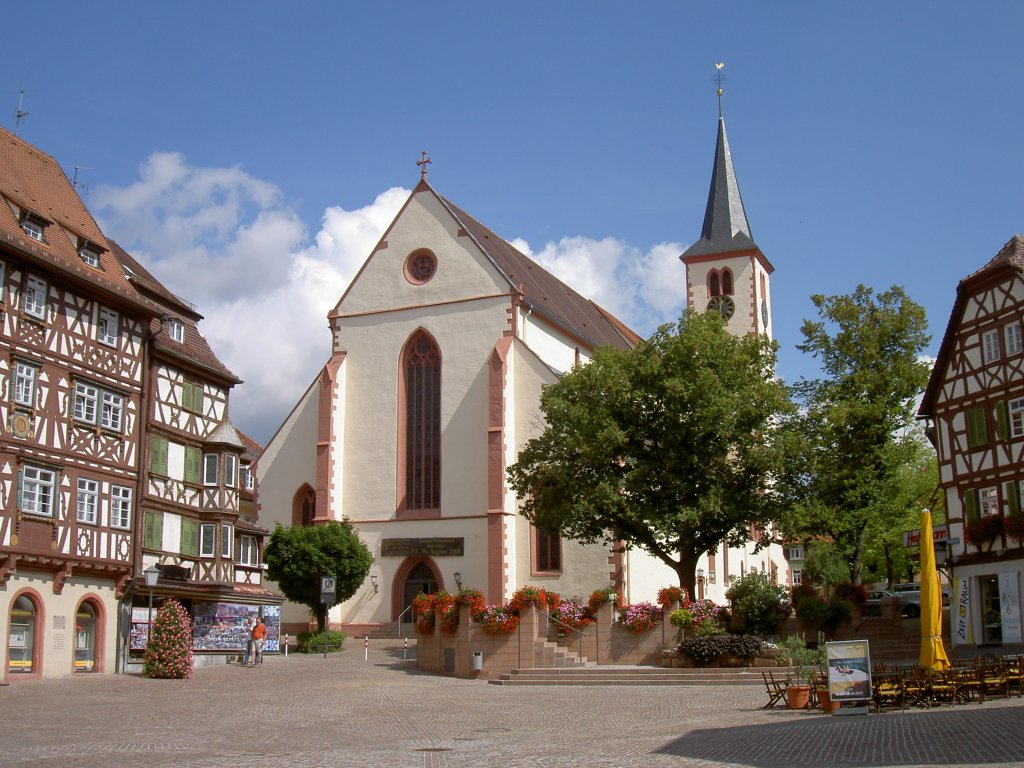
pixel 405 650
pixel 286 646
pixel 366 647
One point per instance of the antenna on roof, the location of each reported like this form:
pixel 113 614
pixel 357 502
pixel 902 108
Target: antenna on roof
pixel 20 113
pixel 84 186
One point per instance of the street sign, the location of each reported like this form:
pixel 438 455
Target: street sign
pixel 328 590
pixel 940 535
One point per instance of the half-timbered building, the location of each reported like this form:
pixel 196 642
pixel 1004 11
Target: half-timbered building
pixel 198 523
pixel 974 404
pixel 73 340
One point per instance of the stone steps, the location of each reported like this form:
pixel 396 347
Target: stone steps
pixel 609 675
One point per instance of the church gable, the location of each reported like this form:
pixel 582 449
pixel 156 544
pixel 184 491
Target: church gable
pixel 424 258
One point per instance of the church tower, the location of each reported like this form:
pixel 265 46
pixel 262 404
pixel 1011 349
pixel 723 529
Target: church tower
pixel 725 270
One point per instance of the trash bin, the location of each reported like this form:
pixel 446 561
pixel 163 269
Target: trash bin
pixel 478 660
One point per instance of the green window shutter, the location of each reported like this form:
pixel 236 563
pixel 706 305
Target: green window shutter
pixel 158 455
pixel 197 398
pixel 190 538
pixel 977 427
pixel 153 531
pixel 186 396
pixel 1002 421
pixel 193 459
pixel 971 505
pixel 1012 494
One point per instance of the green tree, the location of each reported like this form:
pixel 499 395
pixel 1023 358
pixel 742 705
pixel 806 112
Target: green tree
pixel 854 434
pixel 759 604
pixel 824 565
pixel 169 650
pixel 667 447
pixel 298 557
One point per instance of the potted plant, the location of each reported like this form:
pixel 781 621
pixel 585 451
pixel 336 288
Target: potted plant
pixel 805 662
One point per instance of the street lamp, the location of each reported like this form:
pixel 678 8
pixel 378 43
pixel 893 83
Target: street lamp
pixel 458 580
pixel 373 581
pixel 152 575
pixel 700 583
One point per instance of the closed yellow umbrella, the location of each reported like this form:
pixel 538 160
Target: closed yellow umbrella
pixel 933 654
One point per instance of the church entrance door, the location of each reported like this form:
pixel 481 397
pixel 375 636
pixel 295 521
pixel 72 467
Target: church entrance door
pixel 420 579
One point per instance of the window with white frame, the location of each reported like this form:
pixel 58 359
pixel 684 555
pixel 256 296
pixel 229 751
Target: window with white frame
pixel 176 330
pixel 230 466
pixel 112 411
pixel 88 494
pixel 37 491
pixel 35 297
pixel 207 536
pixel 225 541
pixel 1014 344
pixel 988 502
pixel 797 577
pixel 246 479
pixel 248 551
pixel 24 383
pixel 796 552
pixel 120 507
pixel 32 228
pixel 86 399
pixel 990 345
pixel 1016 409
pixel 89 255
pixel 210 469
pixel 106 330
pixel 98 407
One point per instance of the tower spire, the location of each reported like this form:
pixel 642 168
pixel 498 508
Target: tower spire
pixel 725 220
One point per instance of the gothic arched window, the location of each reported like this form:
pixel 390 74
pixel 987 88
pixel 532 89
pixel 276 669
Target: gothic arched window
pixel 420 460
pixel 713 284
pixel 304 506
pixel 726 282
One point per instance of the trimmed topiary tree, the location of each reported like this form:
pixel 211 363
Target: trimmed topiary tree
pixel 169 652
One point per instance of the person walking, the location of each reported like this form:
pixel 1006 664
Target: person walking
pixel 249 626
pixel 259 634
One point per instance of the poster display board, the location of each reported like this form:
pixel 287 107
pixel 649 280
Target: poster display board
pixel 221 626
pixel 139 638
pixel 849 670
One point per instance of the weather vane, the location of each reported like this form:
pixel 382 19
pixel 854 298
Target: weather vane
pixel 423 163
pixel 719 78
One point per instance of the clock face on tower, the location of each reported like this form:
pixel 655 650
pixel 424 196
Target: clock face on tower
pixel 724 305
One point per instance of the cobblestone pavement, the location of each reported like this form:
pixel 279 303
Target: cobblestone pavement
pixel 343 711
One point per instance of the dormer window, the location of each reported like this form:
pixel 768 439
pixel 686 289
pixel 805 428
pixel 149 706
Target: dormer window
pixel 89 255
pixel 33 228
pixel 176 330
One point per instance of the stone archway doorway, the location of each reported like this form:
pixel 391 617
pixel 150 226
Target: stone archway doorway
pixel 414 576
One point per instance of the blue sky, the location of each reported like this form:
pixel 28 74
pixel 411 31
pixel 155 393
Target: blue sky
pixel 251 153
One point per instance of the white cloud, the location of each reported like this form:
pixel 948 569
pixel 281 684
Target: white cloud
pixel 643 289
pixel 227 241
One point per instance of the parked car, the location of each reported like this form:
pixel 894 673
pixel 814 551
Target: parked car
pixel 910 603
pixel 873 603
pixel 913 590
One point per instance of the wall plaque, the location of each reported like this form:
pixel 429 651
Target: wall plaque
pixel 450 547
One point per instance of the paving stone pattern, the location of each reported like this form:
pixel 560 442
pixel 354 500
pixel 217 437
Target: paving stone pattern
pixel 342 711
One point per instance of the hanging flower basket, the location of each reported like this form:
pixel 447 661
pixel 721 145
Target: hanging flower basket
pixel 984 530
pixel 669 596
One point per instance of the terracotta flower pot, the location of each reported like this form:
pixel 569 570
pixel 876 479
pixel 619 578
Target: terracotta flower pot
pixel 827 705
pixel 797 696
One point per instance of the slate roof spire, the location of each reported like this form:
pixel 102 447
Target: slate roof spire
pixel 725 221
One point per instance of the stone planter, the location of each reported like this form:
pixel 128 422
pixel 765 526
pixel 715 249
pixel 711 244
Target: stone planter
pixel 798 696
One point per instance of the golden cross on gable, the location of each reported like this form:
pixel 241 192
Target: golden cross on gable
pixel 423 163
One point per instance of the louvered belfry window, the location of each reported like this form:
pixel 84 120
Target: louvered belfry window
pixel 422 423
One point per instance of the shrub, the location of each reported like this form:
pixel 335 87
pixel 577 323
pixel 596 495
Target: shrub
pixel 572 614
pixel 853 593
pixel 669 596
pixel 640 617
pixel 497 620
pixel 760 604
pixel 169 651
pixel 823 615
pixel 704 650
pixel 681 618
pixel 538 597
pixel 601 596
pixel 473 598
pixel 313 642
pixel 984 530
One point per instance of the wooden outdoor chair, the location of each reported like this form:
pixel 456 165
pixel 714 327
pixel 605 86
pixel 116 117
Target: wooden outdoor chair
pixel 945 688
pixel 993 678
pixel 887 691
pixel 1012 668
pixel 968 681
pixel 776 690
pixel 916 688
